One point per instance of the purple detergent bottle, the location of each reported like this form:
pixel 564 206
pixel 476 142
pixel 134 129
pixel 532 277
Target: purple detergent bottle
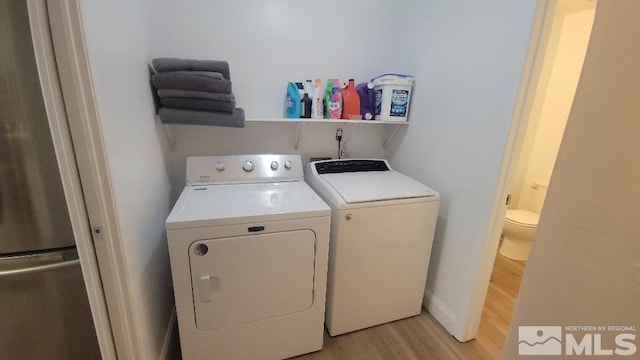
pixel 367 100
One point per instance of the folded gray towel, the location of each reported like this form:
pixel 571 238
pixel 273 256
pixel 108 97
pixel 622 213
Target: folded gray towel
pixel 187 82
pixel 193 94
pixel 206 74
pixel 175 64
pixel 193 117
pixel 199 104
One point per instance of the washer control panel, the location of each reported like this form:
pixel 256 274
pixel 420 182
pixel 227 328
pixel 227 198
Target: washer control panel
pixel 231 169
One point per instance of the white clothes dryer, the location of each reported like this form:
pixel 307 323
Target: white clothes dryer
pixel 382 227
pixel 248 245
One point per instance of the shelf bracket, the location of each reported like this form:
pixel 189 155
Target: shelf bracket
pixel 299 131
pixel 390 137
pixel 169 133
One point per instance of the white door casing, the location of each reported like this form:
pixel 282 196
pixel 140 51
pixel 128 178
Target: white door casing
pixel 92 166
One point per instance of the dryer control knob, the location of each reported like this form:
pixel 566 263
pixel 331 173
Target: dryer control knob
pixel 274 165
pixel 288 165
pixel 220 166
pixel 248 166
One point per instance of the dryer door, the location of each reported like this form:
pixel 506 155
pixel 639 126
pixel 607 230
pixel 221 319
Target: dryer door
pixel 247 278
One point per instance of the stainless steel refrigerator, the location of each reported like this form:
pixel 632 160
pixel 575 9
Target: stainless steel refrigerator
pixel 44 311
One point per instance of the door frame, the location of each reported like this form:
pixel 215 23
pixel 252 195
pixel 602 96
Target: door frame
pixel 65 75
pixel 64 151
pixel 530 79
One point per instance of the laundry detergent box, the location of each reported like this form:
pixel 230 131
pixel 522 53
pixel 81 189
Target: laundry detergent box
pixel 392 96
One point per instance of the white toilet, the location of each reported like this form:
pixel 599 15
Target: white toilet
pixel 520 225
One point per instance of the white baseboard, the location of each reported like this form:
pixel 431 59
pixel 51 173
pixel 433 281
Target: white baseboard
pixel 444 315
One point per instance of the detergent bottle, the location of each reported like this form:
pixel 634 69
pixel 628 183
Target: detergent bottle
pixel 350 102
pixel 317 111
pixel 367 100
pixel 292 101
pixel 308 88
pixel 327 95
pixel 335 101
pixel 306 106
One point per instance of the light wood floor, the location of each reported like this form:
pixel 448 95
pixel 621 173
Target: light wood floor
pixel 498 306
pixel 422 337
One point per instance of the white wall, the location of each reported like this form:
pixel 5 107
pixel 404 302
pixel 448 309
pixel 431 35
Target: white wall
pixel 267 44
pixel 467 59
pixel 565 72
pixel 583 268
pixel 262 137
pixel 550 38
pixel 117 39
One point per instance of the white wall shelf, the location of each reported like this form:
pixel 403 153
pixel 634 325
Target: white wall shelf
pixel 300 125
pixel 343 121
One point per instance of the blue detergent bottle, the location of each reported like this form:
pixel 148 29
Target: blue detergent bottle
pixel 292 101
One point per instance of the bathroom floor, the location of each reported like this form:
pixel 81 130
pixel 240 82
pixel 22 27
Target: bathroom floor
pixel 498 306
pixel 422 337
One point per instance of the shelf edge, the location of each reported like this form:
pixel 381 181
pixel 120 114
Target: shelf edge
pixel 336 121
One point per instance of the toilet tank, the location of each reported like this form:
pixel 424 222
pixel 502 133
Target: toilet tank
pixel 539 190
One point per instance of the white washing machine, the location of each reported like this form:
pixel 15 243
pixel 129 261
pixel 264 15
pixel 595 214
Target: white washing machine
pixel 248 243
pixel 382 227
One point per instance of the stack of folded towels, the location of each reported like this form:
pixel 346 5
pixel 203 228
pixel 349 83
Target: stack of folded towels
pixel 195 92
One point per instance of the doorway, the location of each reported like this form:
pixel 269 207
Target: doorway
pixel 560 58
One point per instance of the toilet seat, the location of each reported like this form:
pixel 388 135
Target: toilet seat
pixel 524 218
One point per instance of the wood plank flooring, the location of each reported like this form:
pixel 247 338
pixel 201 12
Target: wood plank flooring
pixel 422 337
pixel 498 306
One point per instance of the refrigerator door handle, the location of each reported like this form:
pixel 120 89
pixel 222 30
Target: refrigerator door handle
pixel 39 268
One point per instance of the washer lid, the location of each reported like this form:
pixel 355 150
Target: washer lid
pixel 358 187
pixel 211 205
pixel 523 217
